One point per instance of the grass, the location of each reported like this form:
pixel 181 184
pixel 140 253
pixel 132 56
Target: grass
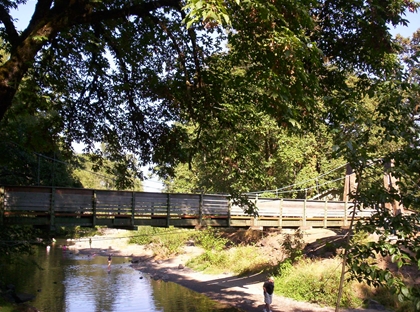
pixel 77 231
pixel 388 299
pixel 239 260
pixel 164 242
pixel 315 281
pixel 222 255
pixel 6 306
pixel 297 277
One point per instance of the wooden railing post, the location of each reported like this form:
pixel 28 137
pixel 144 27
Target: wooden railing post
pixel 254 219
pixel 94 203
pixel 325 212
pixel 133 207
pixel 281 213
pixel 345 213
pixel 168 207
pixel 2 204
pixel 229 207
pixel 200 209
pixel 52 208
pixel 304 211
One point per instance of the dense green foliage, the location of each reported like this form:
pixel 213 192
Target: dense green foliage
pixel 131 74
pixel 221 255
pixel 263 156
pixel 315 282
pixel 164 242
pixel 34 153
pixel 216 84
pixel 7 306
pixel 17 240
pixel 106 174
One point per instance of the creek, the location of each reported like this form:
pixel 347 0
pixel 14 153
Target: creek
pixel 66 282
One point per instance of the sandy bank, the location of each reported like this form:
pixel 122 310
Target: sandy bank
pixel 244 293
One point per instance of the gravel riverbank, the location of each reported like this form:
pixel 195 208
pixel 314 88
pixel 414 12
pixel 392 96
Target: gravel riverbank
pixel 244 293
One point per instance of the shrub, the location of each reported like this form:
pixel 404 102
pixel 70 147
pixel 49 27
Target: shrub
pixel 164 242
pixel 246 259
pixel 76 231
pixel 210 262
pixel 293 245
pixel 314 282
pixel 210 239
pixel 144 235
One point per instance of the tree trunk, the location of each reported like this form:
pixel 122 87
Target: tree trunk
pixel 6 96
pixel 21 59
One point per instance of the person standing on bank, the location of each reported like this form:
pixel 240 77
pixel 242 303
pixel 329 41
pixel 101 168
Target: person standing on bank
pixel 268 293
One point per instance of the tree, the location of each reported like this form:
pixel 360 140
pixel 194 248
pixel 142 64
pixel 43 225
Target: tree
pixel 33 152
pixel 383 139
pixel 106 175
pixel 122 72
pixel 253 155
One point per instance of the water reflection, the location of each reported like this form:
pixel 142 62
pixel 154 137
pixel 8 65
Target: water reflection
pixel 73 282
pixel 170 297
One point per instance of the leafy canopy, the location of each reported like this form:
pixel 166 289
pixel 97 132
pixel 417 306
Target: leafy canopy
pixel 125 73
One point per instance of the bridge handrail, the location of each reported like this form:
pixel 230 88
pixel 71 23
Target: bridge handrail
pixel 58 201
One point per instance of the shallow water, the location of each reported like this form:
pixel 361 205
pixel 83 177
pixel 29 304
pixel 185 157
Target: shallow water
pixel 75 283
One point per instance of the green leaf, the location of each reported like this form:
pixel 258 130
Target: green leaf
pixel 401 297
pixel 226 18
pixel 394 258
pixel 405 291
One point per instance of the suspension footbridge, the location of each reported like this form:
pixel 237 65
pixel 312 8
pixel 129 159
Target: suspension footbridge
pixel 54 207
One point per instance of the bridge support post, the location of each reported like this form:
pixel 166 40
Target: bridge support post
pixel 168 208
pixel 254 220
pixel 345 214
pixel 2 198
pixel 281 213
pixel 52 208
pixel 200 209
pixel 325 213
pixel 133 207
pixel 94 202
pixel 304 212
pixel 228 217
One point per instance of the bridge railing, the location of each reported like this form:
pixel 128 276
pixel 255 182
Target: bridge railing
pixel 70 206
pixel 276 207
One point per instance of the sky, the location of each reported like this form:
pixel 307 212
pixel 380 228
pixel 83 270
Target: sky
pixel 414 24
pixel 24 13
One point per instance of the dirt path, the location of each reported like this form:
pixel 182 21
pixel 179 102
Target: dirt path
pixel 244 293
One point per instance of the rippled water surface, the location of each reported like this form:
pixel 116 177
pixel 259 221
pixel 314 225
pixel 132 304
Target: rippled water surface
pixel 74 283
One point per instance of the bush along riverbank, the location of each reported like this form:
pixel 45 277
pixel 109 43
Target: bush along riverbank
pixel 306 264
pixel 13 301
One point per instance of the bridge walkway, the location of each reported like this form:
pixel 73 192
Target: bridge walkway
pixel 54 207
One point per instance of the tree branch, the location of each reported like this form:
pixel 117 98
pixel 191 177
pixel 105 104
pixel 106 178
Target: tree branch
pixel 45 25
pixel 6 19
pixel 195 52
pixel 41 9
pixel 176 45
pixel 140 10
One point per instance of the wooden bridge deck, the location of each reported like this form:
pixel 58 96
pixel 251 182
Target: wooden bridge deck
pixel 49 206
